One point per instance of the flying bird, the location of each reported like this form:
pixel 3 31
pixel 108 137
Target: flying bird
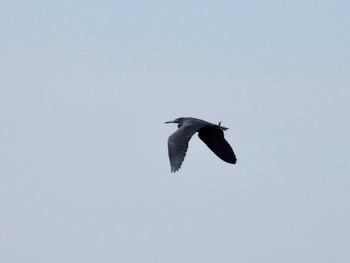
pixel 211 134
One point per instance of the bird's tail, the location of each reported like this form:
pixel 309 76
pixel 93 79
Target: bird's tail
pixel 221 127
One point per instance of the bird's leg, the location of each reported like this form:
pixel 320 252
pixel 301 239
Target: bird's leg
pixel 221 127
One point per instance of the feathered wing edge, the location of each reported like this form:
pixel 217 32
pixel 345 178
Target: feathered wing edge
pixel 177 152
pixel 213 137
pixel 178 144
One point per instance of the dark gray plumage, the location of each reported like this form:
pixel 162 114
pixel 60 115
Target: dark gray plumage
pixel 211 134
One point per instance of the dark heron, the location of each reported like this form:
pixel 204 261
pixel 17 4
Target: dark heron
pixel 211 134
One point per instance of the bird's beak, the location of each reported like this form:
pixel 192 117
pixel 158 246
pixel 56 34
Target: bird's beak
pixel 169 122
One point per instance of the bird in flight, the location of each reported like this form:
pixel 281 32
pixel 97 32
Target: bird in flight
pixel 211 134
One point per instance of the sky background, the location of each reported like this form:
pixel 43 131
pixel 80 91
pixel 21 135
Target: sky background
pixel 85 88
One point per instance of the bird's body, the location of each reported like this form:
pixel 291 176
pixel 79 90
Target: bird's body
pixel 211 134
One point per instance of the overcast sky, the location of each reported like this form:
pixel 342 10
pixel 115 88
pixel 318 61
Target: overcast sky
pixel 85 88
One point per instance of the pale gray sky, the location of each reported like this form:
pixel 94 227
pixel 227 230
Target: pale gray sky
pixel 86 87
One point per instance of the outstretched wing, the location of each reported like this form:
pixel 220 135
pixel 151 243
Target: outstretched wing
pixel 178 144
pixel 213 137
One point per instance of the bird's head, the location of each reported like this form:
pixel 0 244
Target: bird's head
pixel 179 122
